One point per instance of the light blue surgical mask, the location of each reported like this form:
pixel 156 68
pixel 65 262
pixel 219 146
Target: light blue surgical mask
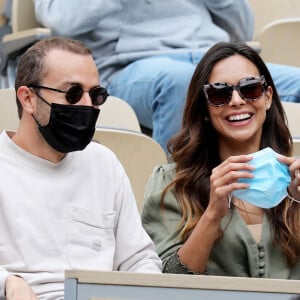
pixel 269 185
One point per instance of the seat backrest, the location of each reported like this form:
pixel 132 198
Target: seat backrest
pixel 292 111
pixel 297 148
pixel 23 16
pixel 2 5
pixel 279 41
pixel 266 11
pixel 116 113
pixel 8 110
pixel 138 154
pixel 3 19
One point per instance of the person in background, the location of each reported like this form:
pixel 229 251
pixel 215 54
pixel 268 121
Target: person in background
pixel 147 50
pixel 191 210
pixel 65 202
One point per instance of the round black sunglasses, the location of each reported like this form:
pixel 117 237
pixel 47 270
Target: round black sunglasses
pixel 98 94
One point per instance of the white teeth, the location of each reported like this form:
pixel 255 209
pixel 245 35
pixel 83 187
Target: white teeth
pixel 239 117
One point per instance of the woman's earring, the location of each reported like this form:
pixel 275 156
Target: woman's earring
pixel 206 119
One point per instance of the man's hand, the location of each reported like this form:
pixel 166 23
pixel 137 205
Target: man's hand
pixel 17 288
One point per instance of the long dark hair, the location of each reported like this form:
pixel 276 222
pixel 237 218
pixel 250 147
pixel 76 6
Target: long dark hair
pixel 195 150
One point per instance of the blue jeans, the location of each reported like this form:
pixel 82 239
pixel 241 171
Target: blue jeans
pixel 156 88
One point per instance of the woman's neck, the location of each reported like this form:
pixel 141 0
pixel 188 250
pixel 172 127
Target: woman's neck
pixel 232 148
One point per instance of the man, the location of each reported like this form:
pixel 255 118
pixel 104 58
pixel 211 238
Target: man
pixel 147 50
pixel 65 202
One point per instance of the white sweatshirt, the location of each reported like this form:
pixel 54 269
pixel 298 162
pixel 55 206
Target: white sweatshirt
pixel 76 214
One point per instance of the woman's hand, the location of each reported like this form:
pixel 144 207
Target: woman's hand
pixel 294 168
pixel 223 182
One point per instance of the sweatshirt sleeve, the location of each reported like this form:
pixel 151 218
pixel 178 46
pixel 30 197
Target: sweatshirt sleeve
pixel 73 17
pixel 234 16
pixel 135 251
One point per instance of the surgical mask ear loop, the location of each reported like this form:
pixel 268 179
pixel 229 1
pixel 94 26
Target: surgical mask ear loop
pixel 229 198
pixel 292 198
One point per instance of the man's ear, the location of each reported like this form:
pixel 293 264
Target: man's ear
pixel 26 98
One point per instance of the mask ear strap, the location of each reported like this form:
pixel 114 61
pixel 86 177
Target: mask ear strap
pixel 43 99
pixel 292 198
pixel 40 97
pixel 229 198
pixel 36 121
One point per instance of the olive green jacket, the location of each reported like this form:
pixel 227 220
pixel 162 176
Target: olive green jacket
pixel 236 253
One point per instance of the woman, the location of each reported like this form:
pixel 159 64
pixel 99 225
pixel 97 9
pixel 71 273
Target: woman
pixel 232 110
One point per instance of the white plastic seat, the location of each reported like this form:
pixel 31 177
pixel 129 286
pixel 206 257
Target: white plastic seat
pixel 292 111
pixel 138 154
pixel 267 11
pixel 296 147
pixel 117 113
pixel 279 41
pixel 8 110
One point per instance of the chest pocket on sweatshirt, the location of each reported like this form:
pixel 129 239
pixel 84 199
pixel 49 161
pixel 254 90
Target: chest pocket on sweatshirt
pixel 91 239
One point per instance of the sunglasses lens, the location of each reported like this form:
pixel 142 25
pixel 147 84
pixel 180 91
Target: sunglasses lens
pixel 219 94
pixel 98 95
pixel 251 90
pixel 74 94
